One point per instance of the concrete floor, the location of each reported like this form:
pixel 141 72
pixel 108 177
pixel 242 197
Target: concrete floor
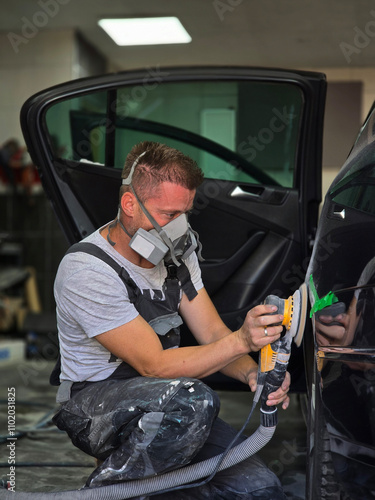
pixel 47 461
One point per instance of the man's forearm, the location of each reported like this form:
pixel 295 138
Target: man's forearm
pixel 241 368
pixel 199 361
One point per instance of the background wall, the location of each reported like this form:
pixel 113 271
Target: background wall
pixel 28 221
pixel 50 58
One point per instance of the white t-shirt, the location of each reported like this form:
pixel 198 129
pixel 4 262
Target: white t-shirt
pixel 92 299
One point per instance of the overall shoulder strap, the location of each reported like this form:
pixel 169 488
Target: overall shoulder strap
pixel 96 251
pixel 99 253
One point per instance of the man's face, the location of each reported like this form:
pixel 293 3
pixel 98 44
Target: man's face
pixel 170 201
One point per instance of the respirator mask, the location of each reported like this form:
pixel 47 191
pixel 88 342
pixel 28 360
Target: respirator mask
pixel 171 243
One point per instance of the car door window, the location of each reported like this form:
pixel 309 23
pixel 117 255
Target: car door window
pixel 357 190
pixel 236 130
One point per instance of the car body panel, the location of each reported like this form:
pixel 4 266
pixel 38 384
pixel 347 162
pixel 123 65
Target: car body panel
pixel 341 279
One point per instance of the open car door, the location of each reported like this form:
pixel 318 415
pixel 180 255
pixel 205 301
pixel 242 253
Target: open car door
pixel 256 133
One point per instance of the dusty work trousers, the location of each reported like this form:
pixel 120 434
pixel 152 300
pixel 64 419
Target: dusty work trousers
pixel 141 427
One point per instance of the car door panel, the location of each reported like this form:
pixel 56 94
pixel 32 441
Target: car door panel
pixel 246 244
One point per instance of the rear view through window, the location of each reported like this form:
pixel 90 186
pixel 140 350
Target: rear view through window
pixel 239 131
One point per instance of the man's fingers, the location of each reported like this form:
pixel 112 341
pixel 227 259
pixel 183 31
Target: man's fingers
pixel 269 333
pixel 285 403
pixel 269 319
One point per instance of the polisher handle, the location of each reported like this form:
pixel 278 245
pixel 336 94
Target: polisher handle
pixel 274 359
pixel 276 376
pixel 268 353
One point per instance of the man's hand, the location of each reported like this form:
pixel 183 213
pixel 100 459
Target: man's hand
pixel 281 395
pixel 277 397
pixel 259 327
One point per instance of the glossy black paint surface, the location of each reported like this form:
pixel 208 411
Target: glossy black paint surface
pixel 341 277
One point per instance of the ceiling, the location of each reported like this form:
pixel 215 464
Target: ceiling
pixel 279 33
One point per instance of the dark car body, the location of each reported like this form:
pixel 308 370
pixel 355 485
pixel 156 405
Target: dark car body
pixel 341 279
pixel 257 135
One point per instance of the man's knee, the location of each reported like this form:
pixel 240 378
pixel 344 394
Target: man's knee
pixel 200 391
pixel 198 400
pixel 188 419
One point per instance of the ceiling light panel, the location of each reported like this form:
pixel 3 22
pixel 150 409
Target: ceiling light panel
pixel 145 31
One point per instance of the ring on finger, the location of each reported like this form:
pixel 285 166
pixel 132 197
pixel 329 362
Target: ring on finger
pixel 265 331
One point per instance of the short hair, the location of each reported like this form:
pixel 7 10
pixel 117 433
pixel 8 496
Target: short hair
pixel 159 163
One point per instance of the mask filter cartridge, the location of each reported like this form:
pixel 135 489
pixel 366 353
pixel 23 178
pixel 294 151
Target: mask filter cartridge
pixel 152 244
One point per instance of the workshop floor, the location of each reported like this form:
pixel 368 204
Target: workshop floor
pixel 45 460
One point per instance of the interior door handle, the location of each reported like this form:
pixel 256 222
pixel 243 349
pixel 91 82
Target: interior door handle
pixel 249 192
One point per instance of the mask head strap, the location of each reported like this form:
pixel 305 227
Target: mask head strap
pixel 126 182
pixel 129 178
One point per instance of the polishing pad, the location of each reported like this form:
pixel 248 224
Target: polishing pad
pixel 298 321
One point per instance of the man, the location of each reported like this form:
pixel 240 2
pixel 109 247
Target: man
pixel 131 397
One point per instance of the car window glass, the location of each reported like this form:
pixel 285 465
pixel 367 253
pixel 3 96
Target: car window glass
pixel 357 190
pixel 238 131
